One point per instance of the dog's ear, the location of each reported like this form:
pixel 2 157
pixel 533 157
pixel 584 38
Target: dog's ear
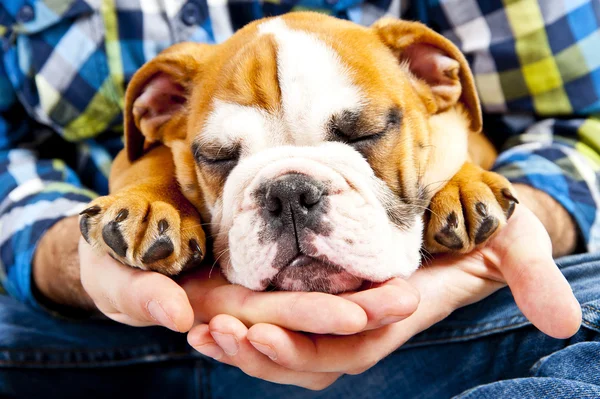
pixel 156 97
pixel 434 60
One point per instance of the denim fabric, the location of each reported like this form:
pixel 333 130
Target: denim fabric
pixel 486 350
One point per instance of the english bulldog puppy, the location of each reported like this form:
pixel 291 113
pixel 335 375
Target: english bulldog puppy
pixel 318 154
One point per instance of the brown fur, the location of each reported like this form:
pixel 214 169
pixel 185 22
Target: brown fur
pixel 440 126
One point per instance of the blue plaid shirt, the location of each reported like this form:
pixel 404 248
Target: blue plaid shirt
pixel 64 66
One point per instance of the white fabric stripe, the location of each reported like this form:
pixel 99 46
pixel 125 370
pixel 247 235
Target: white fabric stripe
pixel 19 218
pixel 220 20
pixel 217 3
pixel 22 165
pixel 26 189
pixel 475 35
pixel 396 9
pixel 71 52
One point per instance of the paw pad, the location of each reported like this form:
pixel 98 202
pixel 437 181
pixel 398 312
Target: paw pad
pixel 468 210
pixel 112 236
pixel 140 229
pixel 447 235
pixel 161 249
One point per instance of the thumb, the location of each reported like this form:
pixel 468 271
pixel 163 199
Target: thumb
pixel 522 251
pixel 132 296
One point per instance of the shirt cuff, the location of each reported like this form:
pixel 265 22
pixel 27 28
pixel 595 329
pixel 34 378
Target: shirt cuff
pixel 565 175
pixel 22 227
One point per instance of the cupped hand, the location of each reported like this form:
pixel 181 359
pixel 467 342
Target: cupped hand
pixel 143 298
pixel 519 256
pixel 133 296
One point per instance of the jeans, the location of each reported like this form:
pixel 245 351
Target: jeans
pixel 486 350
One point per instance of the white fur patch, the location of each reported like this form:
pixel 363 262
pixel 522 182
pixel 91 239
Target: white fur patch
pixel 230 124
pixel 314 82
pixel 362 242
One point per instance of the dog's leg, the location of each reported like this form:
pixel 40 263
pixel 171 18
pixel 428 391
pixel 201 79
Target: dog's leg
pixel 146 222
pixel 466 212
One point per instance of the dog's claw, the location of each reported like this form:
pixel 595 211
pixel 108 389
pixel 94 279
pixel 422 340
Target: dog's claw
pixel 163 225
pixel 469 210
pixel 140 228
pixel 84 228
pixel 509 195
pixel 91 211
pixel 512 200
pixel 481 209
pixel 510 210
pixel 122 215
pixel 197 254
pixel 196 247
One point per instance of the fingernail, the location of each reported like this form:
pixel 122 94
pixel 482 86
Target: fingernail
pixel 227 342
pixel 265 350
pixel 159 314
pixel 210 350
pixel 391 319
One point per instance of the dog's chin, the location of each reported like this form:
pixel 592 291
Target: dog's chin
pixel 305 273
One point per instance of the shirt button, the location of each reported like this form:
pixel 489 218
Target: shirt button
pixel 25 14
pixel 190 14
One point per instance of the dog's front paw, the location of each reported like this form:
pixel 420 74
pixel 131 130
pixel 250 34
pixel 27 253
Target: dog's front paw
pixel 472 206
pixel 142 228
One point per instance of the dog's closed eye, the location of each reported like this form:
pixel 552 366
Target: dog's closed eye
pixel 348 128
pixel 221 158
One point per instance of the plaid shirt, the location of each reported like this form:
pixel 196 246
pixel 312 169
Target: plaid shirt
pixel 64 66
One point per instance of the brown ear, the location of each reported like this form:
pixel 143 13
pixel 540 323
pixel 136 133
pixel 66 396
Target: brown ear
pixel 436 61
pixel 156 97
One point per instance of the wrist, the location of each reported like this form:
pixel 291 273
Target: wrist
pixel 558 222
pixel 56 279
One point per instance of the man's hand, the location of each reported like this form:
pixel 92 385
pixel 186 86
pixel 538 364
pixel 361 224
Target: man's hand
pixel 141 298
pixel 67 271
pixel 133 296
pixel 519 255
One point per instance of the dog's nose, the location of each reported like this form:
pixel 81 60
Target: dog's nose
pixel 295 194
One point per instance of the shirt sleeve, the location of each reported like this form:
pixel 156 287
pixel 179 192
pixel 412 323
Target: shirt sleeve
pixel 561 158
pixel 537 70
pixel 34 194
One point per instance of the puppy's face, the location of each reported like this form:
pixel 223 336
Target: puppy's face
pixel 306 146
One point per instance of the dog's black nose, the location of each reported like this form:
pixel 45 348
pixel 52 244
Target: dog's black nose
pixel 294 197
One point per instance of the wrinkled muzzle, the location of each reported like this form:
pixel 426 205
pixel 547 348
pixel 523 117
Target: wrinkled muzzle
pixel 311 219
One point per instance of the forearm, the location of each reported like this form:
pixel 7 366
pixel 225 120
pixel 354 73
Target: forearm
pixel 55 272
pixel 556 220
